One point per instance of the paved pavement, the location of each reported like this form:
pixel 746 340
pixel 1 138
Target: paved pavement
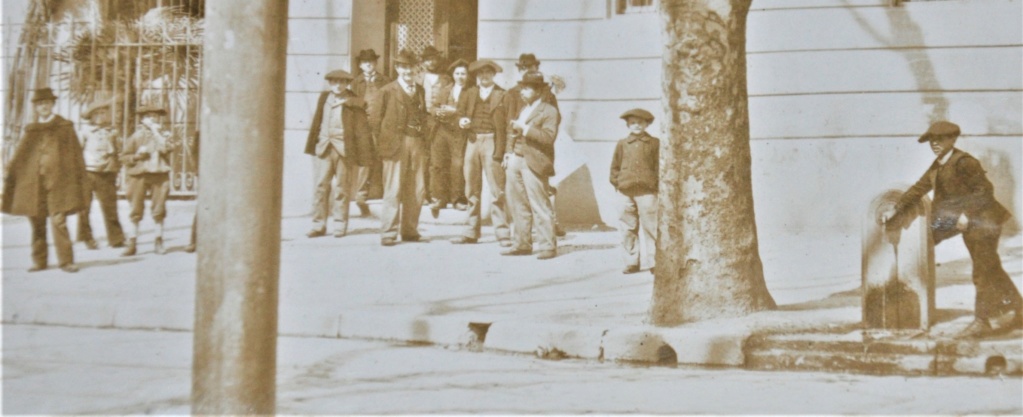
pixel 578 304
pixel 58 370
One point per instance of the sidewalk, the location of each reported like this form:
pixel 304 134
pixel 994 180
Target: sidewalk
pixel 578 304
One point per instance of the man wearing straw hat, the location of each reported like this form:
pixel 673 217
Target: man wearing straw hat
pixel 146 156
pixel 45 179
pixel 101 148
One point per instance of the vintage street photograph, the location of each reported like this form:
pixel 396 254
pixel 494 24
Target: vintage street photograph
pixel 511 207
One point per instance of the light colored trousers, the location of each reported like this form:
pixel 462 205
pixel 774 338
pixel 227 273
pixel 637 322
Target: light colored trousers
pixel 479 162
pixel 404 189
pixel 638 215
pixel 335 180
pixel 530 206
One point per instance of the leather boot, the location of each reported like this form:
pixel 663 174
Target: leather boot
pixel 130 250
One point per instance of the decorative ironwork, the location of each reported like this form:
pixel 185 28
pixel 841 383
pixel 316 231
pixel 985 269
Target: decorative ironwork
pixel 415 24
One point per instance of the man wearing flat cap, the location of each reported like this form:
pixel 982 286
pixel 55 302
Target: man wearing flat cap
pixel 964 203
pixel 447 149
pixel 482 114
pixel 341 142
pixel 146 157
pixel 399 124
pixel 367 86
pixel 529 161
pixel 45 180
pixel 101 149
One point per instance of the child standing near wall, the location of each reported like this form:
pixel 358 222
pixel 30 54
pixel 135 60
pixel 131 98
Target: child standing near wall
pixel 634 173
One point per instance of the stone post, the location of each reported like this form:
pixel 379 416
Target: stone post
pixel 897 267
pixel 235 338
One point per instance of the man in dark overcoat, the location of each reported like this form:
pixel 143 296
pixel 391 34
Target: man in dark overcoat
pixel 366 86
pixel 45 179
pixel 964 203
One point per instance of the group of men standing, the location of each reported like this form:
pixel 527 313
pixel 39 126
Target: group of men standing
pixel 438 135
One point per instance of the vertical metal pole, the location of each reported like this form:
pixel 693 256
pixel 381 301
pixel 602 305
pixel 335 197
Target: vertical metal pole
pixel 235 338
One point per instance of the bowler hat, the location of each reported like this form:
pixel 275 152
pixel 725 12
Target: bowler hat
pixel 43 94
pixel 150 108
pixel 532 79
pixel 526 60
pixel 458 63
pixel 484 63
pixel 640 113
pixel 97 105
pixel 367 55
pixel 941 128
pixel 338 74
pixel 406 57
pixel 430 52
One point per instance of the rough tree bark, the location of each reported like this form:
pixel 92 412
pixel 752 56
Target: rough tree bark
pixel 708 264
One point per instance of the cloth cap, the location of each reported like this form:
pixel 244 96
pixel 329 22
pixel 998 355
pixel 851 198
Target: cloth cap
pixel 941 128
pixel 338 74
pixel 640 113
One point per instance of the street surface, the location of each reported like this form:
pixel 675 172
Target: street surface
pixel 63 370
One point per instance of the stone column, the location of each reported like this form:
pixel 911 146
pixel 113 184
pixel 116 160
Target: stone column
pixel 235 339
pixel 897 267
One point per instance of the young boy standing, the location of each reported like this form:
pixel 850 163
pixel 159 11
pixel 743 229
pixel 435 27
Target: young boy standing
pixel 101 149
pixel 146 156
pixel 634 173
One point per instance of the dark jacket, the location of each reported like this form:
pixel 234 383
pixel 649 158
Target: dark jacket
pixel 960 187
pixel 156 160
pixel 634 167
pixel 390 117
pixel 355 123
pixel 538 143
pixel 360 85
pixel 467 106
pixel 22 180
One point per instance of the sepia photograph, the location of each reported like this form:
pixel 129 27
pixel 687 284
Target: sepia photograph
pixel 511 207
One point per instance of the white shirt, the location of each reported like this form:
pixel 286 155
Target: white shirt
pixel 527 110
pixel 409 89
pixel 944 159
pixel 455 92
pixel 48 119
pixel 485 91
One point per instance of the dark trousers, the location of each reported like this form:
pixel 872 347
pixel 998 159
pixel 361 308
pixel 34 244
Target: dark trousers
pixel 447 157
pixel 157 185
pixel 104 186
pixel 61 236
pixel 996 294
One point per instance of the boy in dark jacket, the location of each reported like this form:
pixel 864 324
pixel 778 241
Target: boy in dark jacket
pixel 634 173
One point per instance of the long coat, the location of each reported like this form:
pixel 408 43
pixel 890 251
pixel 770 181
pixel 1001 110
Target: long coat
pixel 467 107
pixel 538 144
pixel 390 117
pixel 355 124
pixel 22 180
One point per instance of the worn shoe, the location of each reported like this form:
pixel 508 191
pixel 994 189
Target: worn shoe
pixel 37 268
pixel 464 240
pixel 70 268
pixel 547 254
pixel 461 206
pixel 316 233
pixel 91 244
pixel 388 242
pixel 411 238
pixel 435 210
pixel 340 233
pixel 158 247
pixel 117 245
pixel 558 231
pixel 190 248
pixel 517 252
pixel 363 209
pixel 631 269
pixel 505 243
pixel 1008 321
pixel 130 250
pixel 977 329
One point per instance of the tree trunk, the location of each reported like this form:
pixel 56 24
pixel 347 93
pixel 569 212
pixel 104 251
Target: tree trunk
pixel 708 265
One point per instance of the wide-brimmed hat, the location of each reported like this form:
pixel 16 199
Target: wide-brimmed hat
pixel 430 52
pixel 640 113
pixel 532 79
pixel 526 60
pixel 97 105
pixel 939 129
pixel 338 74
pixel 458 63
pixel 43 94
pixel 367 55
pixel 150 109
pixel 406 57
pixel 484 63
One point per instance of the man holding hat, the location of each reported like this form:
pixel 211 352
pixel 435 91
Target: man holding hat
pixel 964 203
pixel 398 121
pixel 340 140
pixel 146 156
pixel 482 113
pixel 366 86
pixel 45 178
pixel 101 150
pixel 529 161
pixel 634 174
pixel 447 149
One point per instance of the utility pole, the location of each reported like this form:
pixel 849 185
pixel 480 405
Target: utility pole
pixel 235 339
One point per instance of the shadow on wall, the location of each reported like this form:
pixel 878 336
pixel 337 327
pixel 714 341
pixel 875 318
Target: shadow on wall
pixel 999 171
pixel 576 200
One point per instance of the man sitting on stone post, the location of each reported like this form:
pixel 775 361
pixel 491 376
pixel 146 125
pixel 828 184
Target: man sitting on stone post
pixel 964 203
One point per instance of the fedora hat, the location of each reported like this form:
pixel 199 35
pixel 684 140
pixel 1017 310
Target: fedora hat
pixel 406 57
pixel 367 55
pixel 430 52
pixel 939 129
pixel 43 94
pixel 532 79
pixel 640 113
pixel 484 63
pixel 526 60
pixel 150 109
pixel 338 74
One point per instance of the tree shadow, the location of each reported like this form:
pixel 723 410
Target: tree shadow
pixel 567 249
pixel 108 262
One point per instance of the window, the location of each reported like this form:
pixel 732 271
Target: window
pixel 635 6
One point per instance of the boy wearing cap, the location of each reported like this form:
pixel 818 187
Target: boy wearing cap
pixel 366 86
pixel 482 114
pixel 447 149
pixel 340 140
pixel 529 161
pixel 146 157
pixel 45 179
pixel 399 124
pixel 964 203
pixel 634 174
pixel 101 150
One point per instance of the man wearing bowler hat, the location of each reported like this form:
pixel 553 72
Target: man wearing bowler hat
pixel 398 121
pixel 146 157
pixel 366 86
pixel 101 149
pixel 964 203
pixel 45 179
pixel 529 161
pixel 340 139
